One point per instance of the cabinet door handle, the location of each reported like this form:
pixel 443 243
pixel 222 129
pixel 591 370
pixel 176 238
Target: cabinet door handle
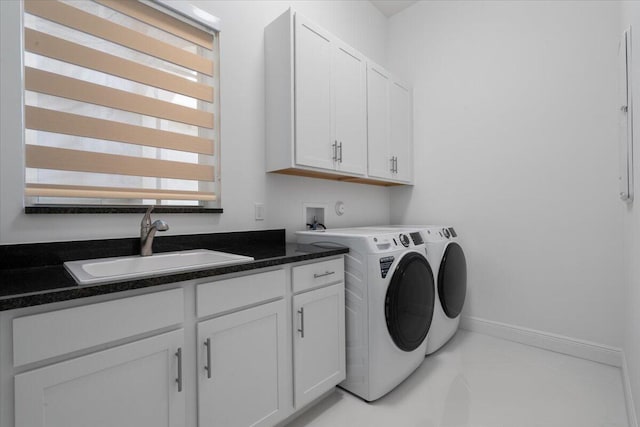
pixel 328 273
pixel 393 164
pixel 207 367
pixel 340 157
pixel 179 379
pixel 334 146
pixel 301 330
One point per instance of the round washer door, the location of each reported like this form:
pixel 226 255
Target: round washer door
pixel 409 301
pixel 452 280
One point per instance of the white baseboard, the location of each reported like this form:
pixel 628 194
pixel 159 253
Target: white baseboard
pixel 558 343
pixel 628 395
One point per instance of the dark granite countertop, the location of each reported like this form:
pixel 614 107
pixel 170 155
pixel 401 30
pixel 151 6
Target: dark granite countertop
pixel 33 274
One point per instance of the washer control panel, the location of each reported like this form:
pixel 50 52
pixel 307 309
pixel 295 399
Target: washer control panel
pixel 417 238
pixel 397 241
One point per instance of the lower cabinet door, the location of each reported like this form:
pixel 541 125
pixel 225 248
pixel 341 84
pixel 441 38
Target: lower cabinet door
pixel 319 342
pixel 134 385
pixel 242 367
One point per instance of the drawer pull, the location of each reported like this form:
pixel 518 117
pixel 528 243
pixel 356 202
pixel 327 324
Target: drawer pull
pixel 301 330
pixel 179 379
pixel 328 273
pixel 207 368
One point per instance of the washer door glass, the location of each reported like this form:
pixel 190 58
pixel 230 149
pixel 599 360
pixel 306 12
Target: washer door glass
pixel 409 301
pixel 452 280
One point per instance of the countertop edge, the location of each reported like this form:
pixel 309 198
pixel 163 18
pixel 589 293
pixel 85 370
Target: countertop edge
pixel 17 301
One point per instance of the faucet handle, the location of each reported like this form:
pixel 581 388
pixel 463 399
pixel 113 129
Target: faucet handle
pixel 146 219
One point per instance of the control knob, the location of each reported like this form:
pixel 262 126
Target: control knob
pixel 446 233
pixel 404 239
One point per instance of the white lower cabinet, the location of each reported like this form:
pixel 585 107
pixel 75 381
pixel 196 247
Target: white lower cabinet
pixel 262 351
pixel 319 342
pixel 242 367
pixel 137 385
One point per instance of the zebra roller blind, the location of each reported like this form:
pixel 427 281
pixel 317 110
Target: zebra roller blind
pixel 120 104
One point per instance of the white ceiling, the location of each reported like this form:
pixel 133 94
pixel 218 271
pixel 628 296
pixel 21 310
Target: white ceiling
pixel 391 7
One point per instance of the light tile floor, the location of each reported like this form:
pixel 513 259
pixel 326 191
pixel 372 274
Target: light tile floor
pixel 481 381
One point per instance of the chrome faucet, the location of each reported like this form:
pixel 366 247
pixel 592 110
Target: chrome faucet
pixel 148 232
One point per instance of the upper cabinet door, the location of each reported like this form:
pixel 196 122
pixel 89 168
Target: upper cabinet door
pixel 349 77
pixel 379 156
pixel 315 144
pixel 401 146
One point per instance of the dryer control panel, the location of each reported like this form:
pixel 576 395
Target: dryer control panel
pixel 440 233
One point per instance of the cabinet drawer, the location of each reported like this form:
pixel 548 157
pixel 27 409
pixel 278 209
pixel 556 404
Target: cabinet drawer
pixel 55 333
pixel 321 273
pixel 229 294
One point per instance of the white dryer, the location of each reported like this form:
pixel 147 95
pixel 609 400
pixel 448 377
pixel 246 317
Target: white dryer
pixel 450 271
pixel 389 299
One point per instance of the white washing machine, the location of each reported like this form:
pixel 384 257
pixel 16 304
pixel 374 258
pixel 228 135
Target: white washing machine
pixel 450 271
pixel 389 299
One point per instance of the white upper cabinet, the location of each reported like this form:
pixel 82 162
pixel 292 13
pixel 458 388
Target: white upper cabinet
pixel 401 140
pixel 389 107
pixel 380 159
pixel 350 106
pixel 316 102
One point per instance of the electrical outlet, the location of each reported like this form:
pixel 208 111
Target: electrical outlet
pixel 259 211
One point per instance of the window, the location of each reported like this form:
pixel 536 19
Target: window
pixel 121 105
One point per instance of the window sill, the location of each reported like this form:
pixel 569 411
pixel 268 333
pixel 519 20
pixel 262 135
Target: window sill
pixel 61 209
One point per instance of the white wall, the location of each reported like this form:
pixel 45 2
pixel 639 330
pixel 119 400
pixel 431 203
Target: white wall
pixel 243 143
pixel 515 132
pixel 631 16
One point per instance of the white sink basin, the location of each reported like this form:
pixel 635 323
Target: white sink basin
pixel 102 270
